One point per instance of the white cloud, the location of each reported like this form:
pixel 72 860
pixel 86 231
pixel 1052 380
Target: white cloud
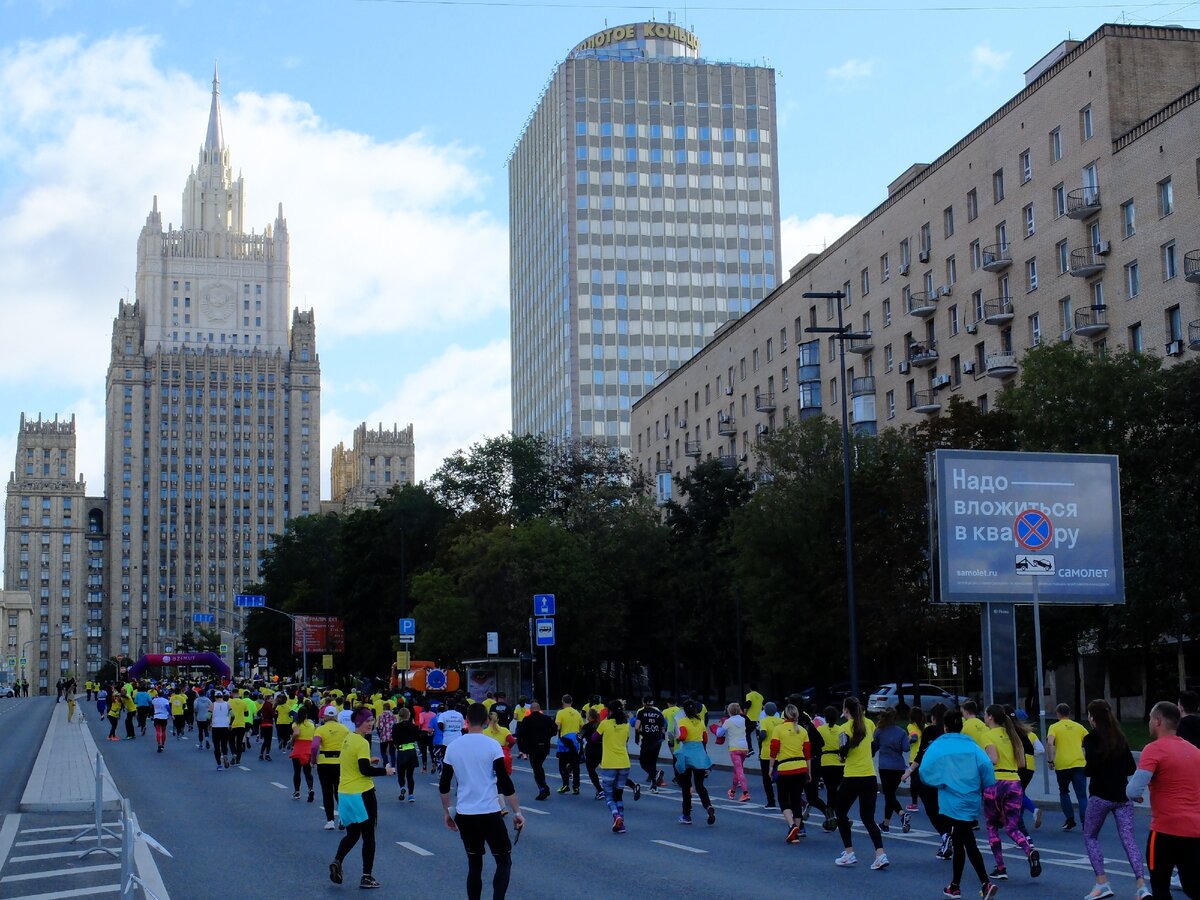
pixel 799 237
pixel 90 132
pixel 851 70
pixel 986 61
pixel 455 400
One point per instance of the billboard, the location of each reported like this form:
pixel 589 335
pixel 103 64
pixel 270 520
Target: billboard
pixel 323 634
pixel 999 517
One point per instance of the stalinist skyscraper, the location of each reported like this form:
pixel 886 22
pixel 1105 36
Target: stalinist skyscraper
pixel 213 411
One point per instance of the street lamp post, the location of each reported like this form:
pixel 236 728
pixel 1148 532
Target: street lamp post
pixel 842 333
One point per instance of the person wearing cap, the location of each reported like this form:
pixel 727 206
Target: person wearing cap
pixel 327 751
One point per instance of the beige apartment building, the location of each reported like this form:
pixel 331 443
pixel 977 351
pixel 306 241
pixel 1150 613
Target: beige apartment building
pixel 1069 214
pixel 377 461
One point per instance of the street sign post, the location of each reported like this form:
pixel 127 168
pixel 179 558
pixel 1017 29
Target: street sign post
pixel 543 605
pixel 543 630
pixel 204 618
pixel 408 638
pixel 408 626
pixel 250 600
pixel 493 643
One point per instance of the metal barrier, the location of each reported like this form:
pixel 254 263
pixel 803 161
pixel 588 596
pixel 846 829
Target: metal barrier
pixel 98 829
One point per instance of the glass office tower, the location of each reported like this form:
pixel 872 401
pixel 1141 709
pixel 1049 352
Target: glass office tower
pixel 643 210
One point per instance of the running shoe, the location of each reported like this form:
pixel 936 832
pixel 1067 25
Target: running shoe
pixel 1068 825
pixel 830 824
pixel 684 820
pixel 368 881
pixel 160 748
pixel 944 853
pixel 846 859
pixel 912 807
pixel 575 791
pixel 952 891
pixel 335 872
pixel 543 794
pixel 1035 864
pixel 793 835
pixel 1098 892
pixel 1037 817
pixel 988 892
pixel 412 798
pixel 654 788
pixel 768 806
pixel 563 789
pixel 804 813
pixel 885 826
pixel 880 862
pixel 905 822
pixel 637 792
pixel 730 793
pixel 295 794
pixel 618 825
pixel 599 795
pixel 1144 891
pixel 745 798
pixel 403 795
pixel 310 796
pixel 268 757
pixel 329 826
pixel 220 768
pixel 660 778
pixel 712 815
pixel 998 874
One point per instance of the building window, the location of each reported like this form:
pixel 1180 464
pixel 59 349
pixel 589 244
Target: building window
pixel 884 269
pixel 977 304
pixel 1056 145
pixel 1035 329
pixel 926 238
pixel 1133 280
pixel 953 315
pixel 1136 342
pixel 972 205
pixel 997 185
pixel 1097 293
pixel 951 270
pixel 1085 123
pixel 1174 325
pixel 887 358
pixel 905 256
pixel 1166 198
pixel 1027 214
pixel 770 350
pixel 1031 274
pixel 1026 167
pixel 1060 200
pixel 1128 219
pixel 1064 257
pixel 887 313
pixel 891 404
pixel 948 221
pixel 1169 262
pixel 1064 317
pixel 866 282
pixel 976 256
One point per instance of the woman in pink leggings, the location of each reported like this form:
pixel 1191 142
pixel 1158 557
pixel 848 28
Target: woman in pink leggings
pixel 734 733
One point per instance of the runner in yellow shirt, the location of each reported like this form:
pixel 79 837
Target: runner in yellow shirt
pixel 358 808
pixel 858 783
pixel 614 763
pixel 1064 752
pixel 569 723
pixel 767 724
pixel 832 766
pixel 178 708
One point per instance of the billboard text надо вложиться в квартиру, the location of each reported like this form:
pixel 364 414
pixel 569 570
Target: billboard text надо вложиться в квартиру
pixel 979 495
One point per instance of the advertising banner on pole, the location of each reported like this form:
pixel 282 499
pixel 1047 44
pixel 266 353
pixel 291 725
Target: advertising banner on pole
pixel 325 634
pixel 998 516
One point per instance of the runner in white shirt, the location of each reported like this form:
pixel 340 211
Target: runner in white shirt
pixel 220 729
pixel 162 715
pixel 478 763
pixel 450 723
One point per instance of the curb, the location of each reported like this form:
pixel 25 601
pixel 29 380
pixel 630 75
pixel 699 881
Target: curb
pixel 33 799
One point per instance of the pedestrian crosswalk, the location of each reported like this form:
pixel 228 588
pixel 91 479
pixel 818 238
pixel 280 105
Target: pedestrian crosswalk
pixel 58 855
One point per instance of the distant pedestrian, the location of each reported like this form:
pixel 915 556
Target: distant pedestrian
pixel 832 765
pixel 477 762
pixel 1064 753
pixel 534 737
pixel 570 724
pixel 649 730
pixel 1170 767
pixel 161 707
pixel 891 742
pixel 735 731
pixel 593 749
pixel 614 763
pixel 405 736
pixel 953 765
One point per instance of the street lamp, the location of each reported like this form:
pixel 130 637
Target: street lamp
pixel 842 334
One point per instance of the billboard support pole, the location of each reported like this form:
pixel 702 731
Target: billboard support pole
pixel 1041 687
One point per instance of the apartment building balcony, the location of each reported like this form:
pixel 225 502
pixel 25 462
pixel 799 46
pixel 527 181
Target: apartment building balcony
pixel 1194 334
pixel 764 402
pixel 998 311
pixel 861 387
pixel 861 344
pixel 927 402
pixel 922 355
pixel 1191 266
pixel 692 449
pixel 1089 261
pixel 1083 202
pixel 1001 365
pixel 663 465
pixel 728 460
pixel 726 425
pixel 1091 321
pixel 996 258
pixel 922 304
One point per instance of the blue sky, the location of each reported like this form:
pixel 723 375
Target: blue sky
pixel 383 127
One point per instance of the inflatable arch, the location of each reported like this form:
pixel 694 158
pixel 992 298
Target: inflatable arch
pixel 180 659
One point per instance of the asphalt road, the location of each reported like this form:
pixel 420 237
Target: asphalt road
pixel 238 834
pixel 22 727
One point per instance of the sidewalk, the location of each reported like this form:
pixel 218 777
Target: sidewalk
pixel 64 774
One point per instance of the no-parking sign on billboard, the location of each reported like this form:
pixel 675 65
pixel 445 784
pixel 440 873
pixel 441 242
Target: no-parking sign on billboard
pixel 992 508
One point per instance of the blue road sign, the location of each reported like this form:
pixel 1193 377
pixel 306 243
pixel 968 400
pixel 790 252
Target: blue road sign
pixel 408 626
pixel 543 605
pixel 210 618
pixel 1032 529
pixel 249 600
pixel 544 632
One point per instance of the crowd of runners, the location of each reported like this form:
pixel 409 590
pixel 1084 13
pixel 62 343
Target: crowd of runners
pixel 966 769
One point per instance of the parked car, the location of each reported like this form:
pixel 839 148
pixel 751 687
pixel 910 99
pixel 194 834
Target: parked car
pixel 834 696
pixel 887 696
pixel 6 690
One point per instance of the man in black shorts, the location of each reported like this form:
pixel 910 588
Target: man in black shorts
pixel 478 761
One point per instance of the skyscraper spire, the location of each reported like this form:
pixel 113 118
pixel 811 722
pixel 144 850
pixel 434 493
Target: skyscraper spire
pixel 215 140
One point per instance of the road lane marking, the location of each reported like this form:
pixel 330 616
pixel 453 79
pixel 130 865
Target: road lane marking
pixel 50 828
pixel 8 833
pixel 420 851
pixel 535 811
pixel 243 768
pixel 62 840
pixel 680 846
pixel 55 873
pixel 282 787
pixel 76 892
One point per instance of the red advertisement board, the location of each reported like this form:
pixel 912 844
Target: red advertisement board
pixel 319 634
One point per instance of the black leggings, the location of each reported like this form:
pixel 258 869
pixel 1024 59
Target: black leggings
pixel 406 765
pixel 266 731
pixel 865 789
pixel 477 831
pixel 425 746
pixel 648 758
pixel 962 838
pixel 890 779
pixel 112 726
pixel 568 769
pixel 537 761
pixel 832 777
pixel 297 768
pixel 685 782
pixel 220 739
pixel 285 734
pixel 764 766
pixel 237 742
pixel 203 732
pixel 929 800
pixel 791 792
pixel 364 830
pixel 592 766
pixel 328 774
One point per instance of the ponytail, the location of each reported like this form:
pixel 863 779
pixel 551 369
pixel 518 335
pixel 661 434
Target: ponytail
pixel 792 714
pixel 858 732
pixel 1000 716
